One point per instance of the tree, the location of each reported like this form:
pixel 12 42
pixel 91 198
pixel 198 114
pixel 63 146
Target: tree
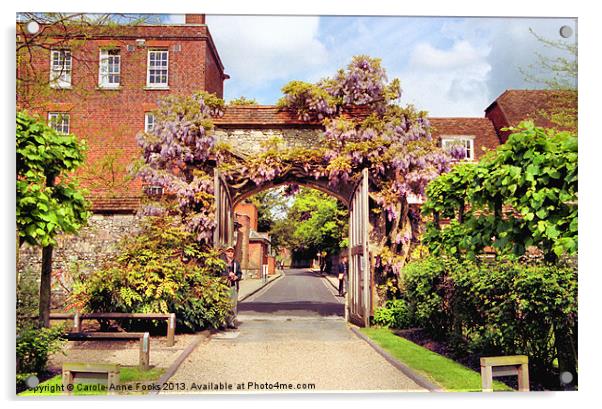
pixel 271 205
pixel 557 73
pixel 320 222
pixel 242 101
pixel 523 194
pixel 49 201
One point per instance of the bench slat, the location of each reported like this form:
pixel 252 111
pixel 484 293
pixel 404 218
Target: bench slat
pixel 119 315
pixel 104 335
pixel 86 367
pixel 504 360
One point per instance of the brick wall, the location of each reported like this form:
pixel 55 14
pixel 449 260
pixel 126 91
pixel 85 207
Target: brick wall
pixel 248 209
pixel 499 121
pixel 110 119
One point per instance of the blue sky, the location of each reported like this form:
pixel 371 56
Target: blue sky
pixel 447 66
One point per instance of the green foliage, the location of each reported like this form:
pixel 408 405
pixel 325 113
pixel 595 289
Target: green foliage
pixel 449 374
pixel 33 348
pixel 28 291
pixel 44 210
pixel 523 194
pixel 320 222
pixel 501 307
pixel 162 269
pixel 242 101
pixel 271 205
pixel 424 286
pixel 394 314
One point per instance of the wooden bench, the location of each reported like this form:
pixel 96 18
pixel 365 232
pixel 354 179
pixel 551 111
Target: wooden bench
pixel 495 366
pixel 144 356
pixel 78 318
pixel 94 374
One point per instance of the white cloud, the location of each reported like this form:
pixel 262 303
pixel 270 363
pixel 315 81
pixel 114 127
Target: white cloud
pixel 257 50
pixel 447 82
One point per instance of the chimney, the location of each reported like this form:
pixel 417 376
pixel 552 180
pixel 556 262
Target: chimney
pixel 195 19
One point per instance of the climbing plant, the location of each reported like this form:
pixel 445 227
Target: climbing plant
pixel 365 127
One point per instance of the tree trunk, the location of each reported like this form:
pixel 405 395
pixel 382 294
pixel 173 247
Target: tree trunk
pixel 566 350
pixel 45 286
pixel 46 275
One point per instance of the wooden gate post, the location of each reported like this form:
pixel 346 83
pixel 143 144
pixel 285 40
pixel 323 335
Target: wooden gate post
pixel 145 352
pixel 171 330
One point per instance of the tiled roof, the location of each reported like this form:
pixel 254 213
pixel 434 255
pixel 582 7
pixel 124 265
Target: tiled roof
pixel 463 126
pixel 115 204
pixel 521 104
pixel 258 115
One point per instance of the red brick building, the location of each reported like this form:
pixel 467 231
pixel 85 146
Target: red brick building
pixel 516 105
pixel 103 86
pixel 253 248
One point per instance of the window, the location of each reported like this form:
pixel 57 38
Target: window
pixel 149 122
pixel 59 121
pixel 154 191
pixel 157 68
pixel 466 142
pixel 60 68
pixel 109 72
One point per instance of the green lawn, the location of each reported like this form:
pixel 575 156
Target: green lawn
pixel 126 375
pixel 445 372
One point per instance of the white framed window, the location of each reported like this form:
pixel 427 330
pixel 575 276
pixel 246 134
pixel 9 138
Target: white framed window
pixel 467 142
pixel 60 68
pixel 152 190
pixel 149 121
pixel 109 70
pixel 157 71
pixel 59 121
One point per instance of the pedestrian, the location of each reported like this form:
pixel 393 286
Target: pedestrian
pixel 343 268
pixel 233 274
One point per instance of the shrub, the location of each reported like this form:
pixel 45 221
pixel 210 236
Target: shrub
pixel 33 348
pixel 502 307
pixel 424 283
pixel 394 314
pixel 163 269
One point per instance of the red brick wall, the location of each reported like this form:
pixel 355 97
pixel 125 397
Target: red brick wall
pixel 257 257
pixel 497 117
pixel 482 129
pixel 250 210
pixel 214 79
pixel 110 119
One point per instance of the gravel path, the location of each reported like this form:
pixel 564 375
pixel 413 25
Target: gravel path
pixel 289 346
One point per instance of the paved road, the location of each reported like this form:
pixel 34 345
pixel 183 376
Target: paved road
pixel 293 333
pixel 300 293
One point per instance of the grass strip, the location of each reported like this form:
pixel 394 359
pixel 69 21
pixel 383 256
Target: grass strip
pixel 447 373
pixel 53 386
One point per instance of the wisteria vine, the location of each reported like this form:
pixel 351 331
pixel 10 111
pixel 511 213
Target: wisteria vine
pixel 364 127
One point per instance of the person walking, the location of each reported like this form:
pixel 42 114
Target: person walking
pixel 343 267
pixel 233 274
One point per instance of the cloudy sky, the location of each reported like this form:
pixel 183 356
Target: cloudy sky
pixel 447 66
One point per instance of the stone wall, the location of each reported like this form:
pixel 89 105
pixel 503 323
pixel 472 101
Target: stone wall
pixel 249 141
pixel 84 252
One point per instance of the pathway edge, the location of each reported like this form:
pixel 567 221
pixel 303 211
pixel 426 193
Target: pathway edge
pixel 255 291
pixel 203 335
pixel 419 379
